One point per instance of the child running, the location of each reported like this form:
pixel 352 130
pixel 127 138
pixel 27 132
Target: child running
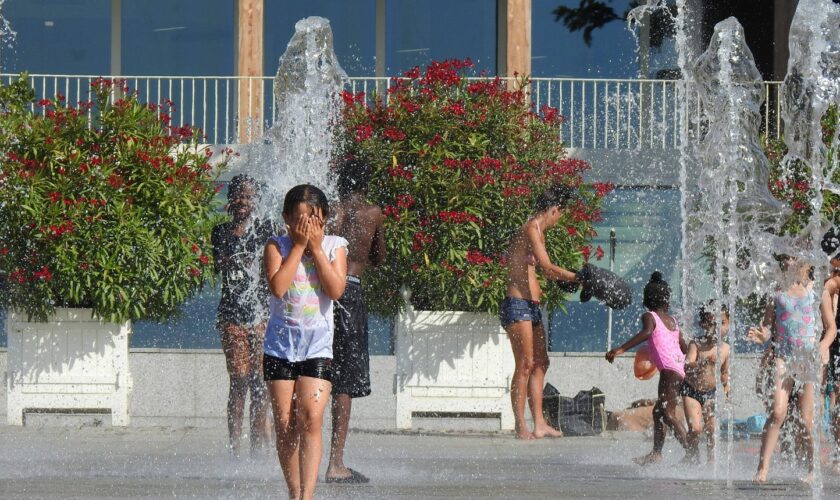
pixel 667 351
pixel 306 272
pixel 520 313
pixel 791 320
pixel 699 387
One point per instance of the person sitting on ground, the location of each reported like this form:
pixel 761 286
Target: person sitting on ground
pixel 667 351
pixel 361 224
pixel 699 386
pixel 520 313
pixel 243 310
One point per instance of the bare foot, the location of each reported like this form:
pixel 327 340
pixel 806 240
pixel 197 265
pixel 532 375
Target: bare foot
pixel 525 435
pixel 807 478
pixel 760 477
pixel 547 430
pixel 650 458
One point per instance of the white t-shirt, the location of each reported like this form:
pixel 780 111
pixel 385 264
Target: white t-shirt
pixel 301 323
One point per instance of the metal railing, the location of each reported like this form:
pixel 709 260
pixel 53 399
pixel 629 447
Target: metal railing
pixel 599 113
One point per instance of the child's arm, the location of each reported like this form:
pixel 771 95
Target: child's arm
pixel 683 345
pixel 762 334
pixel 332 275
pixel 724 368
pixel 691 355
pixel 827 313
pixel 280 272
pixel 550 270
pixel 647 328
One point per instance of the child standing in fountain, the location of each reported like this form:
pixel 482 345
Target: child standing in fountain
pixel 520 311
pixel 667 351
pixel 306 272
pixel 699 387
pixel 791 320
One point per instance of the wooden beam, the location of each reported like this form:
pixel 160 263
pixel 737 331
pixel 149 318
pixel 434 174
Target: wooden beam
pixel 249 64
pixel 514 31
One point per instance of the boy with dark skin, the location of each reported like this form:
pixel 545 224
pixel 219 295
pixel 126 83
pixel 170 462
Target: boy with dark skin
pixel 361 224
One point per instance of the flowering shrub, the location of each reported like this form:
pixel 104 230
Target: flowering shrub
pixel 458 165
pixel 794 187
pixel 102 205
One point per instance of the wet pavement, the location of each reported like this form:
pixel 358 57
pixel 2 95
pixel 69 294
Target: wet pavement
pixel 104 462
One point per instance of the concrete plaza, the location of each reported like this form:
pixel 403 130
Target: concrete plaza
pixel 84 461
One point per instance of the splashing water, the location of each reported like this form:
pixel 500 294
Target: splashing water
pixel 729 216
pixel 7 34
pixel 298 148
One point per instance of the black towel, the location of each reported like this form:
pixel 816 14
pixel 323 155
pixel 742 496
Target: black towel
pixel 605 286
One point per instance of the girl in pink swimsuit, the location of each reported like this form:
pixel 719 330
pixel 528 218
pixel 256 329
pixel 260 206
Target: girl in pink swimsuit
pixel 667 351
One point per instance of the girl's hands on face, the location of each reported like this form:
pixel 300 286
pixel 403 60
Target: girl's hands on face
pixel 301 230
pixel 316 231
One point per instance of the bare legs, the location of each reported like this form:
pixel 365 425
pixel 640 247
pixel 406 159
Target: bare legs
pixel 341 405
pixel 243 353
pixel 770 436
pixel 701 420
pixel 531 362
pixel 665 414
pixel 298 418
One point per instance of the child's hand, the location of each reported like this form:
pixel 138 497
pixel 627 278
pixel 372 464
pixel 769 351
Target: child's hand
pixel 610 356
pixel 316 232
pixel 758 335
pixel 824 354
pixel 300 231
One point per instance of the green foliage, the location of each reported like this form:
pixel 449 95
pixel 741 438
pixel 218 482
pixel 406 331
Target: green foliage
pixel 793 183
pixel 457 167
pixel 102 204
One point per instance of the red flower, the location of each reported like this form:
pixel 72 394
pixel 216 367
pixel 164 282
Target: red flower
pixel 405 201
pixel 4 251
pixel 599 253
pixel 43 274
pixel 44 102
pixel 205 260
pixel 602 188
pixel 193 271
pixel 392 212
pixel 476 258
pixel 54 196
pixel 393 134
pixel 585 251
pixel 364 132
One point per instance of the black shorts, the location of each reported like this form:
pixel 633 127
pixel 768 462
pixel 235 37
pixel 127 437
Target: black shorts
pixel 283 369
pixel 351 360
pixel 689 391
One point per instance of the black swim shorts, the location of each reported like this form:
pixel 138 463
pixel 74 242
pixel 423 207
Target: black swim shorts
pixel 351 360
pixel 283 369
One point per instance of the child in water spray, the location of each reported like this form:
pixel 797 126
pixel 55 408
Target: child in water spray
pixel 306 271
pixel 667 351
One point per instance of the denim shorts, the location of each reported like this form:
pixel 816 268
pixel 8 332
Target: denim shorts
pixel 514 309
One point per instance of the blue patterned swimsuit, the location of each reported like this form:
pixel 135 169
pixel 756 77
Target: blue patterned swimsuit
pixel 796 334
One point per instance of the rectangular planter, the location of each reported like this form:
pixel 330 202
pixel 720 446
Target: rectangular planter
pixel 452 362
pixel 72 362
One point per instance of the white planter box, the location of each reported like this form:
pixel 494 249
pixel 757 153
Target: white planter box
pixel 73 362
pixel 452 362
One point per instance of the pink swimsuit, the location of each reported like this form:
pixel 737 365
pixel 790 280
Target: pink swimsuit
pixel 664 345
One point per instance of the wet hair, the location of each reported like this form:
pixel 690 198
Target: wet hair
pixel 555 196
pixel 241 182
pixel 707 311
pixel 353 177
pixel 657 292
pixel 831 242
pixel 309 194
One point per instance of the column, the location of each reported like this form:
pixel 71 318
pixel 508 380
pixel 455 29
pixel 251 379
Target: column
pixel 249 67
pixel 514 38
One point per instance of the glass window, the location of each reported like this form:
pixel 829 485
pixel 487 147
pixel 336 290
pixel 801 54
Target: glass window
pixel 558 52
pixel 647 225
pixel 58 37
pixel 353 25
pixel 187 37
pixel 424 30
